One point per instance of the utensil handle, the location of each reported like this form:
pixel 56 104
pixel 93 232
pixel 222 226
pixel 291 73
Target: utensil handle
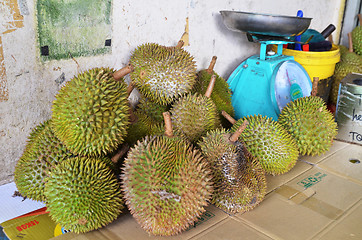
pixel 328 30
pixel 298 38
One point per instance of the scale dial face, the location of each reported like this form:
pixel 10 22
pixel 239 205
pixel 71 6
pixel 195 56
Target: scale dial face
pixel 289 82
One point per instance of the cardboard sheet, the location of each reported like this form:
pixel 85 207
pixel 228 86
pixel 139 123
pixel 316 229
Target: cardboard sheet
pixel 348 227
pixel 126 228
pixel 346 163
pixel 303 207
pixel 12 207
pixel 231 229
pixel 274 182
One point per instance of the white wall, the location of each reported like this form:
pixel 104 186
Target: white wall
pixel 32 85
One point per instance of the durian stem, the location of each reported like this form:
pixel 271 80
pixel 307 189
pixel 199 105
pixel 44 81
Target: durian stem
pixel 122 151
pixel 180 44
pixel 228 117
pixel 350 43
pixel 360 19
pixel 119 74
pixel 132 117
pixel 168 124
pixel 130 88
pixel 211 86
pixel 330 38
pixel 210 70
pixel 236 134
pixel 315 86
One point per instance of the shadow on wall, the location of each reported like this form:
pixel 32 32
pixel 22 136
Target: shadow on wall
pixel 234 39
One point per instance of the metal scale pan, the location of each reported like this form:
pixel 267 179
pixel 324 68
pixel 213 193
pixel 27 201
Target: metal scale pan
pixel 264 84
pixel 265 24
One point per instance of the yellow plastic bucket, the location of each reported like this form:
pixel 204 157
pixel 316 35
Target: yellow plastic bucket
pixel 317 64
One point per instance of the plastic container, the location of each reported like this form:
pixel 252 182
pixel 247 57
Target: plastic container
pixel 317 64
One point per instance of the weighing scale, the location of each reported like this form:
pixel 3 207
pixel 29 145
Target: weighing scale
pixel 265 83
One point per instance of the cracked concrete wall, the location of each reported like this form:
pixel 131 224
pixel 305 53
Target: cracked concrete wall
pixel 31 84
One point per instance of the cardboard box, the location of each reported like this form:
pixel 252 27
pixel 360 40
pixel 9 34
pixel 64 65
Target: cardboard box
pixel 126 227
pixel 346 163
pixel 231 228
pixel 305 206
pixel 348 227
pixel 31 227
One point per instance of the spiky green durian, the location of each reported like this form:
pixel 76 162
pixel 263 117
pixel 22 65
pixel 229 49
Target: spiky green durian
pixel 166 184
pixel 341 70
pixel 161 73
pixel 194 115
pixel 310 123
pixel 83 194
pixel 352 59
pixel 42 151
pixel 342 50
pixel 152 110
pixel 221 94
pixel 357 39
pixel 148 120
pixel 91 113
pixel 269 143
pixel 142 127
pixel 238 180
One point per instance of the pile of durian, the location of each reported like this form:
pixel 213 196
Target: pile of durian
pixel 168 157
pixel 351 60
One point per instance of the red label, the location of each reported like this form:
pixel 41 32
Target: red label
pixel 27 225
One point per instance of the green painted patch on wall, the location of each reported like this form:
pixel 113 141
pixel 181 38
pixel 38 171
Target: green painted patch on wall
pixel 73 28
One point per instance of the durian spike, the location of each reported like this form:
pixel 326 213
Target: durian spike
pixel 168 124
pixel 350 43
pixel 235 136
pixel 122 151
pixel 211 86
pixel 315 86
pixel 180 44
pixel 210 70
pixel 119 74
pixel 228 117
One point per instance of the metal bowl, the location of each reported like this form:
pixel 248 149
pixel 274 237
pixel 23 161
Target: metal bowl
pixel 265 24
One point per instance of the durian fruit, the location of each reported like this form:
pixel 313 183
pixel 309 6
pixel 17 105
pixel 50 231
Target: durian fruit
pixel 161 73
pixel 221 94
pixel 152 110
pixel 148 120
pixel 142 127
pixel 91 112
pixel 42 151
pixel 195 114
pixel 342 50
pixel 357 37
pixel 350 57
pixel 310 123
pixel 238 179
pixel 350 62
pixel 269 143
pixel 83 194
pixel 166 183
